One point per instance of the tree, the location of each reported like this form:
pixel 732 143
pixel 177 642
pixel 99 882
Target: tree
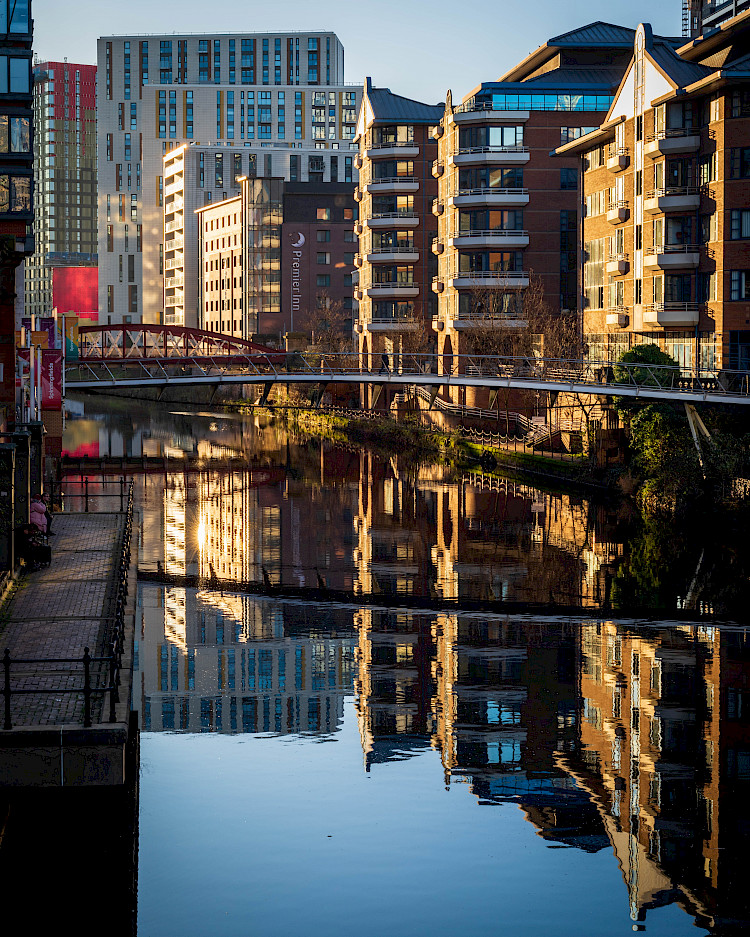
pixel 652 373
pixel 329 325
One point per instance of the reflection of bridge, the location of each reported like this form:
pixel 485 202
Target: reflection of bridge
pixel 160 358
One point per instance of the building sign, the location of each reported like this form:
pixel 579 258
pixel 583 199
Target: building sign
pixel 297 240
pixel 51 379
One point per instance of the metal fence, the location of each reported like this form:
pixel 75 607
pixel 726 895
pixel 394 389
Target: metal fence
pixel 96 679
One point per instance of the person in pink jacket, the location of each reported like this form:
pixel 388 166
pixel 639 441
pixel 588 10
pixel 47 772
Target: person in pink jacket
pixel 39 514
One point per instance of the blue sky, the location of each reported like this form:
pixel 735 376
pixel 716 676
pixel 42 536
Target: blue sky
pixel 419 49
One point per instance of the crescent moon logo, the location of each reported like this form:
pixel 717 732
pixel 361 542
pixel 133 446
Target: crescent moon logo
pixel 300 240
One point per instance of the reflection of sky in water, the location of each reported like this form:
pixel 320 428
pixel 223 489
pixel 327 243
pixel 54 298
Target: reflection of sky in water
pixel 285 836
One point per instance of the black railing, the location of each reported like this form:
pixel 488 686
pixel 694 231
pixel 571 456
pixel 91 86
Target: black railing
pixel 92 677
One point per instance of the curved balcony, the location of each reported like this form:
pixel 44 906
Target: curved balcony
pixel 672 142
pixel 358 161
pixel 671 256
pixel 617 264
pixel 437 246
pixel 385 150
pixel 437 285
pixel 492 238
pixel 357 194
pixel 392 324
pixel 671 315
pixel 489 279
pixel 403 255
pixel 489 197
pixel 391 219
pixel 437 207
pixel 618 158
pixel 357 260
pixel 392 289
pixel 617 212
pixel 496 155
pixel 484 113
pixel 617 317
pixel 672 198
pixel 394 184
pixel 437 131
pixel 438 168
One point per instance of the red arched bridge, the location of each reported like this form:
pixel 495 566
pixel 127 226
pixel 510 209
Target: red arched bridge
pixel 145 342
pixel 142 356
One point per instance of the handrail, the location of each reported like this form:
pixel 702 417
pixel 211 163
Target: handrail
pixel 468 150
pixel 673 190
pixel 489 190
pixel 673 249
pixel 389 180
pixel 509 233
pixel 674 132
pixel 110 671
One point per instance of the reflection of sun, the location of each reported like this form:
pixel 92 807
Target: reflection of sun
pixel 201 535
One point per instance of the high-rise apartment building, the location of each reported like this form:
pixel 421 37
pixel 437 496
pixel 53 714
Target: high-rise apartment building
pixel 664 199
pixel 16 168
pixel 700 16
pixel 261 93
pixel 506 209
pixel 65 230
pixel 396 227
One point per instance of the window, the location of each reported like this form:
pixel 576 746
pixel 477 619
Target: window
pixel 323 279
pixel 739 285
pixel 15 194
pixel 707 169
pixel 323 257
pixel 569 179
pixel 323 214
pixel 323 235
pixel 568 134
pixel 594 159
pixel 110 239
pixel 132 299
pixel 741 103
pixel 18 21
pixel 15 74
pixel 740 163
pixel 739 224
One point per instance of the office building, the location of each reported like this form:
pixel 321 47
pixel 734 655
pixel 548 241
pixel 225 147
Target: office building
pixel 251 92
pixel 271 256
pixel 65 229
pixel 665 194
pixel 196 176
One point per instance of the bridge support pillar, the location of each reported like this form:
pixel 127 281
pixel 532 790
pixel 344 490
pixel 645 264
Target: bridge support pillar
pixel 697 426
pixel 267 388
pixel 433 396
pixel 317 397
pixel 377 390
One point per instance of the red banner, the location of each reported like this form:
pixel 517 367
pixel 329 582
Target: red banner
pixel 51 379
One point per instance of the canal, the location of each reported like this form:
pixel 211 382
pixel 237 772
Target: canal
pixel 383 697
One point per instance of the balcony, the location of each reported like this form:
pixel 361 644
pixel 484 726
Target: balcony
pixel 472 320
pixel 394 184
pixel 618 158
pixel 489 279
pixel 403 255
pixel 671 256
pixel 617 264
pixel 492 238
pixel 672 142
pixel 497 155
pixel 438 168
pixel 617 317
pixel 392 289
pixel 484 113
pixel 671 315
pixel 177 225
pixel 385 150
pixel 617 212
pixel 174 300
pixel 392 219
pixel 176 186
pixel 178 280
pixel 489 197
pixel 172 263
pixel 175 244
pixel 673 198
pixel 392 324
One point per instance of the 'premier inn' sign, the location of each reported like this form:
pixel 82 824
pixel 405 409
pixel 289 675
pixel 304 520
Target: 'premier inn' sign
pixel 298 240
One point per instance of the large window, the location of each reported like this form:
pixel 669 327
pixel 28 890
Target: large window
pixel 491 220
pixel 15 194
pixel 739 285
pixel 546 102
pixel 15 134
pixel 15 74
pixel 490 262
pixel 490 177
pixel 739 224
pixel 14 17
pixel 740 162
pixel 383 136
pixel 505 135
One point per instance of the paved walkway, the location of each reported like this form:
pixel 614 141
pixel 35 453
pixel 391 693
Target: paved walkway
pixel 57 612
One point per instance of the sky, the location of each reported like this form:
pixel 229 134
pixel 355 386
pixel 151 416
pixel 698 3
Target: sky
pixel 416 48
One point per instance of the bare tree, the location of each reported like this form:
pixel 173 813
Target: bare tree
pixel 329 325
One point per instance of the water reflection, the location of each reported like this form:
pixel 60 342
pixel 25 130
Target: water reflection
pixel 623 739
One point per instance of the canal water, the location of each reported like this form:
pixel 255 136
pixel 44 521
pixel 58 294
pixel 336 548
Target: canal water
pixel 383 697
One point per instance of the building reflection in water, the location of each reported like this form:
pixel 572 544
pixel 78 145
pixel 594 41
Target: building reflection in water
pixel 633 739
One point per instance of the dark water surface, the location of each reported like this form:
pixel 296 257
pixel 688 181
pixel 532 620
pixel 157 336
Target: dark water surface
pixel 375 767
